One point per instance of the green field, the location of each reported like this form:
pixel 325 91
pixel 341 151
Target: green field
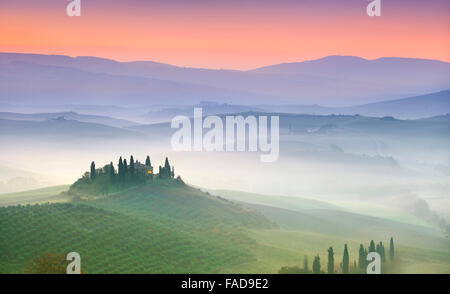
pixel 277 248
pixel 153 228
pixel 309 227
pixel 49 194
pixel 292 203
pixel 303 204
pixel 165 227
pixel 307 215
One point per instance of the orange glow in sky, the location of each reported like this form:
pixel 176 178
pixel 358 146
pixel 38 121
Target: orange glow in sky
pixel 233 34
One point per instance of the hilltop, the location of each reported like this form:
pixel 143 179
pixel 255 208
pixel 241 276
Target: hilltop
pixel 157 225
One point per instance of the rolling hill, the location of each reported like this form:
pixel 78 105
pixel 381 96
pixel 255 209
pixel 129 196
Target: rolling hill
pixel 422 106
pixel 308 215
pixel 61 128
pixel 97 119
pixel 279 201
pixel 147 229
pixel 334 124
pixel 166 228
pixel 25 83
pixel 42 195
pixel 333 80
pixel 308 227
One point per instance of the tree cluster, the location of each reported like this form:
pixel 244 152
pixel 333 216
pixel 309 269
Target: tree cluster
pixel 102 181
pixel 166 172
pixel 345 264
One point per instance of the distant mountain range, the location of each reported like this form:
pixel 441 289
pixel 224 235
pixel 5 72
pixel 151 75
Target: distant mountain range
pixel 423 106
pixel 434 105
pixel 104 120
pixel 305 124
pixel 333 81
pixel 414 107
pixel 22 126
pixel 61 128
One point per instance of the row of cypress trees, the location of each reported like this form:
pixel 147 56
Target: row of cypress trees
pixel 379 248
pixel 127 172
pixel 123 168
pixel 102 181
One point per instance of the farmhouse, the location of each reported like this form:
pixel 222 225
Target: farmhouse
pixel 143 169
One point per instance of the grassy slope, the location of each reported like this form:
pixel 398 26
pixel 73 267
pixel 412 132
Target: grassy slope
pixel 308 215
pixel 149 229
pixel 302 204
pixel 279 248
pixel 161 228
pixel 386 212
pixel 48 194
pixel 354 226
pixel 293 203
pixel 181 204
pixel 310 229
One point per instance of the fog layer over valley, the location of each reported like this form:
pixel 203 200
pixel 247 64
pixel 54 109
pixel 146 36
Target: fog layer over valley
pixel 349 160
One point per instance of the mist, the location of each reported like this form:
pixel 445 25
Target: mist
pixel 338 164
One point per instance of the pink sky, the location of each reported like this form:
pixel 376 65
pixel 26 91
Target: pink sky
pixel 236 34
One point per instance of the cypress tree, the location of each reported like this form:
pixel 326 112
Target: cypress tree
pixel 345 260
pixel 305 264
pixel 93 173
pixel 120 167
pixel 365 256
pixel 125 167
pixel 316 265
pixel 372 246
pixel 391 249
pixel 132 165
pixel 330 260
pixel 111 171
pixel 167 171
pixel 166 164
pixel 361 257
pixel 147 161
pixel 382 252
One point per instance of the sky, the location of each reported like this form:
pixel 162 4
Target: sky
pixel 232 34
